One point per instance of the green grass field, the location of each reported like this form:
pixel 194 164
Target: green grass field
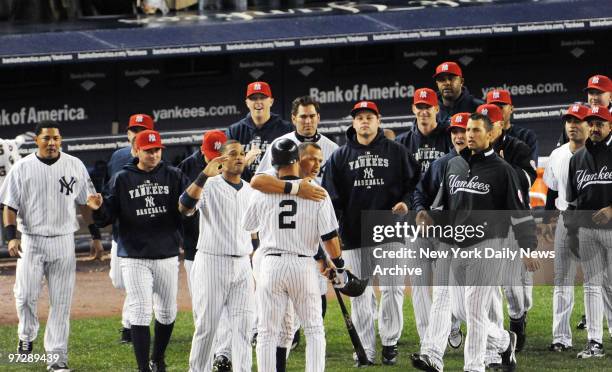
pixel 94 344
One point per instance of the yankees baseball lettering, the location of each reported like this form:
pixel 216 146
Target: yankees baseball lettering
pixel 471 185
pixel 585 179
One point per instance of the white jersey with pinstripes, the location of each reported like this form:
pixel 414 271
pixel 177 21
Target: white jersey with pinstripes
pixel 221 209
pixel 45 195
pixel 556 173
pixel 9 155
pixel 327 148
pixel 287 223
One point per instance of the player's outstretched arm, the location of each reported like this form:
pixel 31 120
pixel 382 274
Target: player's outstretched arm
pixel 272 185
pixel 95 250
pixel 191 196
pixel 9 216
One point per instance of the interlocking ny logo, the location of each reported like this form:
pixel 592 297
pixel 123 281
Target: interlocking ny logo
pixel 458 119
pixel 423 94
pixel 485 111
pixel 149 202
pixel 495 94
pixel 66 185
pixel 363 104
pixel 595 110
pixel 139 118
pixel 445 67
pixel 217 145
pixel 152 138
pixel 595 80
pixel 575 108
pixel 257 86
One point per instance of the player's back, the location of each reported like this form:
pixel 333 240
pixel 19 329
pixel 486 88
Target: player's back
pixel 287 223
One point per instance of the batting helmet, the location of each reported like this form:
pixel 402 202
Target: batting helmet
pixel 284 152
pixel 355 286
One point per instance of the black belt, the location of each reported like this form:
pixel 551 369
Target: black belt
pixel 290 254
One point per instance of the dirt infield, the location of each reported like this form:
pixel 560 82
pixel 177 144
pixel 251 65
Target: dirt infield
pixel 94 296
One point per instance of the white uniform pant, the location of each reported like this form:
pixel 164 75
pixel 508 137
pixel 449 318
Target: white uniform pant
pixel 284 279
pixel 421 285
pixel 363 308
pixel 477 280
pixel 152 287
pixel 52 258
pixel 117 281
pixel 596 258
pixel 518 286
pixel 225 282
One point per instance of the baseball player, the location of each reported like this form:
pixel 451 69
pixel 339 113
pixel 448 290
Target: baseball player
pixel 433 341
pixel 481 180
pixel 501 98
pixel 599 93
pixel 371 172
pixel 143 198
pixel 290 229
pixel 39 196
pixel 118 160
pixel 426 142
pixel 222 259
pixel 589 218
pixel 452 93
pixel 9 154
pixel 556 177
pixel 260 126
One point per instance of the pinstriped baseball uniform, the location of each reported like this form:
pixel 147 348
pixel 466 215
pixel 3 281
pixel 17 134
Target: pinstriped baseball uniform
pixel 555 177
pixel 327 148
pixel 44 197
pixel 9 154
pixel 289 232
pixel 223 268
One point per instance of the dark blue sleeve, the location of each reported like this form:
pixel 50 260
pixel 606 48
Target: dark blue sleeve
pixel 427 188
pixel 107 213
pixel 532 142
pixel 411 172
pixel 329 184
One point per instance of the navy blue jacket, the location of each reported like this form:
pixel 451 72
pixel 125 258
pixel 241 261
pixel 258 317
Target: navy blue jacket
pixel 517 154
pixel 529 137
pixel 427 188
pixel 118 160
pixel 145 205
pixel 465 103
pixel 246 132
pixel 361 178
pixel 426 149
pixel 192 166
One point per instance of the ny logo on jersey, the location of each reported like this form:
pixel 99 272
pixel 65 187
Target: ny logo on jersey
pixel 595 80
pixel 423 94
pixel 368 173
pixel 66 185
pixel 149 202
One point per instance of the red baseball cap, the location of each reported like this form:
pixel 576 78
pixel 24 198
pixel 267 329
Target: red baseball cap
pixel 493 112
pixel 448 68
pixel 459 120
pixel 599 82
pixel 499 96
pixel 259 87
pixel 141 120
pixel 212 142
pixel 364 105
pixel 149 139
pixel 577 111
pixel 600 112
pixel 425 95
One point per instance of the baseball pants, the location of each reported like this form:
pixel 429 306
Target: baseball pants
pixel 518 283
pixel 117 281
pixel 283 279
pixel 596 258
pixel 420 287
pixel 51 258
pixel 363 308
pixel 227 282
pixel 477 279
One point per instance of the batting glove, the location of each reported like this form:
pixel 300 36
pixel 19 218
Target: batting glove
pixel 340 277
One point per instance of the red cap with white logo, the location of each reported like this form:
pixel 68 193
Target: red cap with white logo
pixel 499 96
pixel 459 120
pixel 599 112
pixel 364 105
pixel 426 96
pixel 212 142
pixel 577 111
pixel 259 87
pixel 493 112
pixel 599 82
pixel 148 139
pixel 141 120
pixel 448 68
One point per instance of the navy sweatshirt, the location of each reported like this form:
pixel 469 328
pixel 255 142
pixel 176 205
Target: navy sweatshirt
pixel 191 167
pixel 373 177
pixel 427 188
pixel 517 154
pixel 528 137
pixel 426 149
pixel 145 205
pixel 465 103
pixel 118 160
pixel 246 132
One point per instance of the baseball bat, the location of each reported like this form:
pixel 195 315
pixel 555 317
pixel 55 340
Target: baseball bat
pixel 355 340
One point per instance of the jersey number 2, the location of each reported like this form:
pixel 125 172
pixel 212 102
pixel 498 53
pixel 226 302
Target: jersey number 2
pixel 285 218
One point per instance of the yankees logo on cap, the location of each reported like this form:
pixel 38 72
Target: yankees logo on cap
pixel 364 105
pixel 499 96
pixel 598 112
pixel 259 87
pixel 491 111
pixel 148 139
pixel 426 96
pixel 601 83
pixel 485 111
pixel 141 120
pixel 577 111
pixel 212 141
pixel 459 120
pixel 448 68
